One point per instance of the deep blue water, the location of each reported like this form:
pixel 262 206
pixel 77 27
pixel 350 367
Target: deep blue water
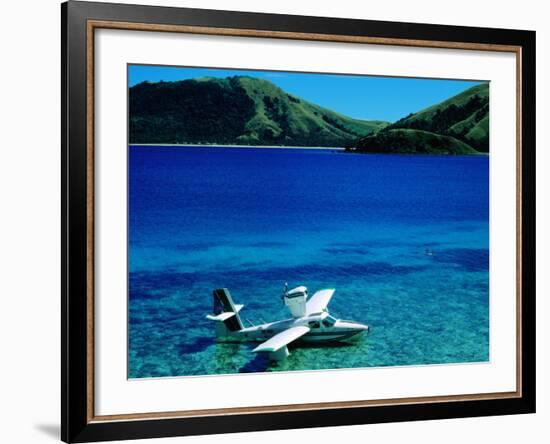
pixel 252 219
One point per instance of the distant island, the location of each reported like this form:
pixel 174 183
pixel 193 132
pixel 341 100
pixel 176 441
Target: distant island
pixel 242 110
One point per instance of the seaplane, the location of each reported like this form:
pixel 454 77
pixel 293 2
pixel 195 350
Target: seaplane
pixel 311 322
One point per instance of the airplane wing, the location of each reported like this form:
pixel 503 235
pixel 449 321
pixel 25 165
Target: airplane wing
pixel 282 339
pixel 319 301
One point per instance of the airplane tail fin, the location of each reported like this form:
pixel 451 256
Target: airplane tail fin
pixel 226 313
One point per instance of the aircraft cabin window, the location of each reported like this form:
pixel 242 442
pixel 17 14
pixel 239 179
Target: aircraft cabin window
pixel 314 324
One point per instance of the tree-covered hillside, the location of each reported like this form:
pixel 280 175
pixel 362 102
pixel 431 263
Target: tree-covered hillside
pixel 464 117
pixel 413 141
pixel 236 110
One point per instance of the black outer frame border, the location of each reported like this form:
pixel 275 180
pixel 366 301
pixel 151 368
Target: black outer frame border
pixel 74 424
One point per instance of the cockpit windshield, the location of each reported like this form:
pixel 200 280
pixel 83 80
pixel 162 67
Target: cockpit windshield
pixel 329 321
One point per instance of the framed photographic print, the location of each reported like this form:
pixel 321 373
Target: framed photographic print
pixel 276 221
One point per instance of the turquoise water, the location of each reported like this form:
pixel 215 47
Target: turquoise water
pixel 252 219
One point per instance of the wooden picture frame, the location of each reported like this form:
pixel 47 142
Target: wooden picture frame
pixel 79 22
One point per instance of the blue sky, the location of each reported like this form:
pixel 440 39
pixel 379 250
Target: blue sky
pixel 362 97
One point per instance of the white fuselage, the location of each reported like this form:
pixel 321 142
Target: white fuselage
pixel 323 328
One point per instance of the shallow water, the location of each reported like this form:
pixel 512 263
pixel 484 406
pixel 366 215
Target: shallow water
pixel 252 219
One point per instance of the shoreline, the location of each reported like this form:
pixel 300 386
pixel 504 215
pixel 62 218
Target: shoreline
pixel 242 146
pixel 367 153
pixel 340 149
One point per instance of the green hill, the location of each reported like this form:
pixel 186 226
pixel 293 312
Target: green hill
pixel 236 110
pixel 464 117
pixel 412 141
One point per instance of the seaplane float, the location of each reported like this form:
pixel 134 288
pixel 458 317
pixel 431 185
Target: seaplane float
pixel 310 323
